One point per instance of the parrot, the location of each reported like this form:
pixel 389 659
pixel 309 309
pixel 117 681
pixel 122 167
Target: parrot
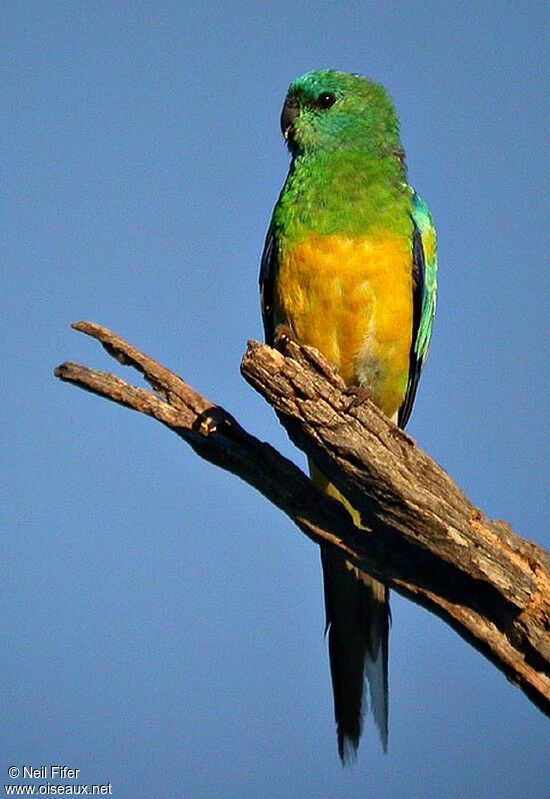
pixel 349 266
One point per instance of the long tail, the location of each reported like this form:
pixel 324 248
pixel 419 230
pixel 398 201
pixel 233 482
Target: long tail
pixel 357 623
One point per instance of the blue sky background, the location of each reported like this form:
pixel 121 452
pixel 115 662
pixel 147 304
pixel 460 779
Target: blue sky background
pixel 162 624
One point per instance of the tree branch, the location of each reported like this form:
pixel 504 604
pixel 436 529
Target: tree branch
pixel 420 534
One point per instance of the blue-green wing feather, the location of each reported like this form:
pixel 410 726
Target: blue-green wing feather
pixel 424 298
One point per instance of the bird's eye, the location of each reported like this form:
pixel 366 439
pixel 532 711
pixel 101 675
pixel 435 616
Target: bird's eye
pixel 325 100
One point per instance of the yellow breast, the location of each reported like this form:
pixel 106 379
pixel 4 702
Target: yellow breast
pixel 351 298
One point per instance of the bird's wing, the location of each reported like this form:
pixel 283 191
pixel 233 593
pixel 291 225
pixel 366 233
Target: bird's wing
pixel 424 298
pixel 267 276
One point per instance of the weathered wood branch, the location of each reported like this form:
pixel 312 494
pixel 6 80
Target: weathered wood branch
pixel 419 533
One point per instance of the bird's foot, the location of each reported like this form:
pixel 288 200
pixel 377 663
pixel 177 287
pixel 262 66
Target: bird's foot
pixel 283 336
pixel 358 395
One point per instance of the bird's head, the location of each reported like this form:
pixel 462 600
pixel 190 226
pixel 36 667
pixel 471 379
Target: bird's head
pixel 326 110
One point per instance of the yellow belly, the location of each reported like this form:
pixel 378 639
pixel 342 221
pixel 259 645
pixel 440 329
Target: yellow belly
pixel 351 298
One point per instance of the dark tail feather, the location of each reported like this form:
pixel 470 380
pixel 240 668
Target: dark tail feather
pixel 357 622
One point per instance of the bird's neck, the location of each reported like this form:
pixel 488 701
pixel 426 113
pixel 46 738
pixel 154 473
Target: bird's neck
pixel 343 191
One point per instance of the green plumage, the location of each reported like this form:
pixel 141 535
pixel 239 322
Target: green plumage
pixel 347 173
pixel 347 184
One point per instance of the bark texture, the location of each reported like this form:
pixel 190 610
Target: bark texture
pixel 420 534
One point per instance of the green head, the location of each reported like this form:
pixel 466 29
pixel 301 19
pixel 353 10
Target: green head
pixel 326 110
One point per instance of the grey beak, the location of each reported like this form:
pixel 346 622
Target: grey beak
pixel 290 111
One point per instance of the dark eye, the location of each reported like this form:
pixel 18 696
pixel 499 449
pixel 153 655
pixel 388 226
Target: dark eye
pixel 325 100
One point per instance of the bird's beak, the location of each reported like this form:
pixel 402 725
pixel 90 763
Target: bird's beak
pixel 290 111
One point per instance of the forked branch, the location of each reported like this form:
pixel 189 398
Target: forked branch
pixel 419 534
